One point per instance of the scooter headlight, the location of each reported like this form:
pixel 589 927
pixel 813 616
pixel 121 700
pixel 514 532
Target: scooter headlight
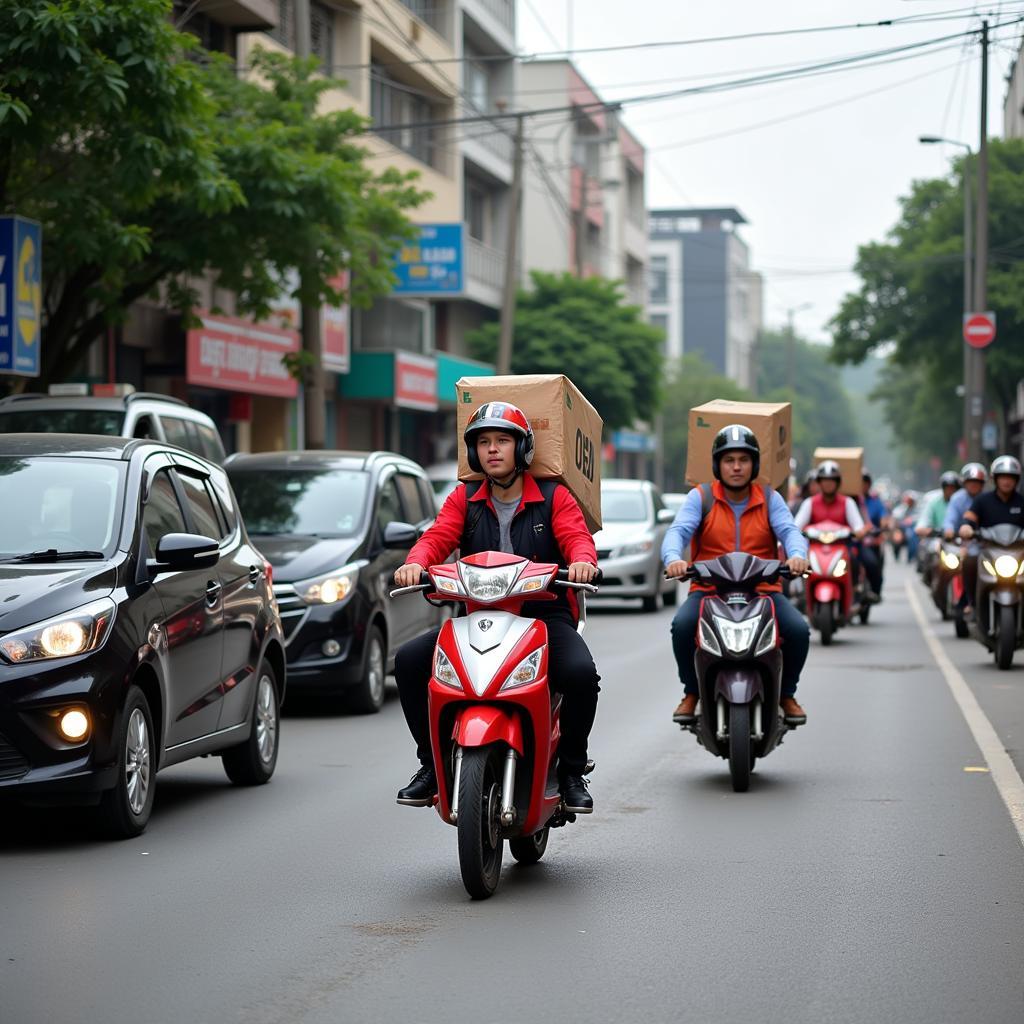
pixel 769 638
pixel 488 584
pixel 737 636
pixel 950 561
pixel 708 640
pixel 525 672
pixel 1006 567
pixel 839 569
pixel 444 671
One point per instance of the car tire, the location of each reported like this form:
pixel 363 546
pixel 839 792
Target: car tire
pixel 252 762
pixel 367 696
pixel 671 597
pixel 124 810
pixel 650 603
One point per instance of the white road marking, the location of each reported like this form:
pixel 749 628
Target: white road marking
pixel 1004 772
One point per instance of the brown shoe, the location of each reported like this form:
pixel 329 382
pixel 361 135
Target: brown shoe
pixel 792 712
pixel 687 710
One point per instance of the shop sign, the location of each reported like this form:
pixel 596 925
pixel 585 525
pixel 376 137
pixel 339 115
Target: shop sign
pixel 433 263
pixel 21 293
pixel 335 334
pixel 238 355
pixel 633 441
pixel 415 382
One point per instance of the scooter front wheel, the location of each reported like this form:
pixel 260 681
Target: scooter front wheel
pixel 741 756
pixel 1006 637
pixel 529 849
pixel 479 823
pixel 826 623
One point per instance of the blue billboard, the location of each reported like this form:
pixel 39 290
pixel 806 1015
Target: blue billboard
pixel 21 294
pixel 432 264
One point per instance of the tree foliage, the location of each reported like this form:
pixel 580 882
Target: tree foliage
pixel 147 168
pixel 584 329
pixel 911 302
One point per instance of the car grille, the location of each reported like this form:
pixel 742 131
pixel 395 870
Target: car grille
pixel 603 553
pixel 292 609
pixel 12 764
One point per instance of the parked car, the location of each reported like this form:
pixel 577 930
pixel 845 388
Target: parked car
pixel 674 500
pixel 444 478
pixel 139 414
pixel 137 625
pixel 629 544
pixel 320 518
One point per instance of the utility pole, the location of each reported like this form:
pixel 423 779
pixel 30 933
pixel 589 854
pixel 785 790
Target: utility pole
pixel 314 401
pixel 508 304
pixel 975 383
pixel 791 344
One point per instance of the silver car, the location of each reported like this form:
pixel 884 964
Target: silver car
pixel 629 546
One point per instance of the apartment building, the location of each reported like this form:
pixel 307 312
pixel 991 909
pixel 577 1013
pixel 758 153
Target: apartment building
pixel 702 290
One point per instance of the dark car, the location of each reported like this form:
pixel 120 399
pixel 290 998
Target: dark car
pixel 137 625
pixel 320 518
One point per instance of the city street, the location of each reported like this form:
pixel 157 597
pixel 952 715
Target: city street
pixel 872 872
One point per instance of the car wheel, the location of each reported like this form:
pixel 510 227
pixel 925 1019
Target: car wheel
pixel 650 603
pixel 671 597
pixel 252 762
pixel 367 696
pixel 124 810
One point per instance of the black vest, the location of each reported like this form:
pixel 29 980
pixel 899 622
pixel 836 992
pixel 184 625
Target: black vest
pixel 532 537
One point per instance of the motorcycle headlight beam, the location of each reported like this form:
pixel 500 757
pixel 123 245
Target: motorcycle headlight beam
pixel 737 636
pixel 1006 567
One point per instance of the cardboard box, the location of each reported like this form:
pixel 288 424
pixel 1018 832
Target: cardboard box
pixel 771 422
pixel 851 465
pixel 566 428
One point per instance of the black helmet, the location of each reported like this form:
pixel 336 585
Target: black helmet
pixel 949 479
pixel 735 438
pixel 506 418
pixel 829 470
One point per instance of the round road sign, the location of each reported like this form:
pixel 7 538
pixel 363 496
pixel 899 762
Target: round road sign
pixel 979 329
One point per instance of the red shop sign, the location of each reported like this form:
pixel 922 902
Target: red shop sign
pixel 238 355
pixel 335 330
pixel 415 382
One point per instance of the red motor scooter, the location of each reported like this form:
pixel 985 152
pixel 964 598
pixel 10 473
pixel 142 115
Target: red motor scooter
pixel 831 593
pixel 494 724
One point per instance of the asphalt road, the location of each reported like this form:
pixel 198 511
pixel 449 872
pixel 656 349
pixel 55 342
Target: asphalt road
pixel 866 877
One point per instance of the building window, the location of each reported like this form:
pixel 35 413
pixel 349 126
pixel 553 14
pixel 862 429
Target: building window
pixel 394 103
pixel 658 280
pixel 432 12
pixel 391 324
pixel 321 30
pixel 476 212
pixel 660 320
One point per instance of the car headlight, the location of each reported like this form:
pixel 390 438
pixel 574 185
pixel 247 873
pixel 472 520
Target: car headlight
pixel 769 638
pixel 332 587
pixel 839 569
pixel 737 636
pixel 1006 567
pixel 64 636
pixel 637 547
pixel 488 584
pixel 444 671
pixel 950 561
pixel 525 672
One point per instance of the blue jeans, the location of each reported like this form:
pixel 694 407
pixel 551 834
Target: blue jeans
pixel 796 641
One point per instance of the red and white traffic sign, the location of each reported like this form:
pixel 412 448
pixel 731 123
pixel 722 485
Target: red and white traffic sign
pixel 979 329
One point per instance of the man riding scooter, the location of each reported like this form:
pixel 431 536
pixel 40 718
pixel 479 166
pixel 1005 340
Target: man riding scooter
pixel 929 524
pixel 872 553
pixel 735 514
pixel 512 512
pixel 974 476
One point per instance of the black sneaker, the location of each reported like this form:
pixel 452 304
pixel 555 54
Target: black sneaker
pixel 575 796
pixel 421 790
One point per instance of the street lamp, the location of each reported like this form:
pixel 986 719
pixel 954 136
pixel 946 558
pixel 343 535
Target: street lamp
pixel 969 388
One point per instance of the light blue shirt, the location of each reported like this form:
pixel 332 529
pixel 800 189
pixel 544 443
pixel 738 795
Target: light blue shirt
pixel 687 519
pixel 958 505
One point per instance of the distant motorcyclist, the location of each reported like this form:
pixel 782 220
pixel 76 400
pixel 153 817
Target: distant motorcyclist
pixel 934 513
pixel 1003 504
pixel 973 477
pixel 735 514
pixel 872 554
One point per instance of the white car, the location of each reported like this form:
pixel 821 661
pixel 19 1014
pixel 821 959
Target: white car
pixel 629 545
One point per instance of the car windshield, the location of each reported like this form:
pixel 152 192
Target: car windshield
pixel 623 506
pixel 59 505
pixel 62 421
pixel 324 502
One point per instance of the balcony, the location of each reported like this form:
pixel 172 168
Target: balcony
pixel 485 273
pixel 501 12
pixel 245 15
pixel 435 13
pixel 488 144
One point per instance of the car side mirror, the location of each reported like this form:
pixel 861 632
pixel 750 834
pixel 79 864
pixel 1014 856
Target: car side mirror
pixel 400 536
pixel 178 552
pixel 666 515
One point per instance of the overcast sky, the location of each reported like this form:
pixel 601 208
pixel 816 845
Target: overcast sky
pixel 815 186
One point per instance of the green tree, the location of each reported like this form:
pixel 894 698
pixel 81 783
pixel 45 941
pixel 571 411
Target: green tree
pixel 147 169
pixel 690 381
pixel 584 329
pixel 911 303
pixel 822 412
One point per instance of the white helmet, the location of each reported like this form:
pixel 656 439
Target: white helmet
pixel 973 471
pixel 1006 465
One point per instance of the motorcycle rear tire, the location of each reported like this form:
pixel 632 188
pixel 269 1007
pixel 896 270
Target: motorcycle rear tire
pixel 480 842
pixel 530 849
pixel 1006 637
pixel 741 753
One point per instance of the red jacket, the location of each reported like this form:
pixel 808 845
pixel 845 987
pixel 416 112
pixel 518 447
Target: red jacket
pixel 567 523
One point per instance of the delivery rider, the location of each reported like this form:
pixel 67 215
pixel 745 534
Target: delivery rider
pixel 741 517
pixel 509 511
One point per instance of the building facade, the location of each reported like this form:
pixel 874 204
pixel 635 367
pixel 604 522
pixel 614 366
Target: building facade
pixel 702 290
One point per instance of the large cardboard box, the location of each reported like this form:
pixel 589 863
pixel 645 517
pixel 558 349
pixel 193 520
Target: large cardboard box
pixel 851 465
pixel 771 422
pixel 566 428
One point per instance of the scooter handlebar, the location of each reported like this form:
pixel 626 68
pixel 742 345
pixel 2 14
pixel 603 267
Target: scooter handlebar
pixel 425 583
pixel 562 580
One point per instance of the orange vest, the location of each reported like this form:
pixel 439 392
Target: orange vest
pixel 717 534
